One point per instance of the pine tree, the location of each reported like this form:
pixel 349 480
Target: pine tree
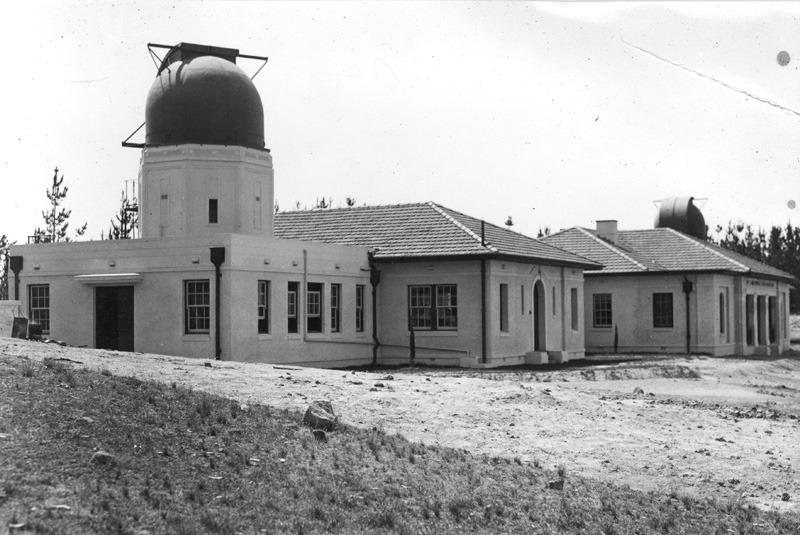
pixel 4 266
pixel 323 203
pixel 126 220
pixel 56 221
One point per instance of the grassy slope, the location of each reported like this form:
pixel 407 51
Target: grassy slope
pixel 189 462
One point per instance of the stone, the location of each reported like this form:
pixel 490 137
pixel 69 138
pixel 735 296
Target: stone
pixel 320 415
pixel 785 497
pixel 638 391
pixel 102 457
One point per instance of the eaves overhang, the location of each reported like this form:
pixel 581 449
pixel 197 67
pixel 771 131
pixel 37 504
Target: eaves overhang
pixel 486 256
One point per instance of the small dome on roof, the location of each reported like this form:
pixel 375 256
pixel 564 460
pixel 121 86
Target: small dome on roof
pixel 680 213
pixel 204 99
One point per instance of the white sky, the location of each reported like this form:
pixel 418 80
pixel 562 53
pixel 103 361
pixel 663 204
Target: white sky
pixel 541 111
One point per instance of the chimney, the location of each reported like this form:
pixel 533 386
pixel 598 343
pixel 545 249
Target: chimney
pixel 607 229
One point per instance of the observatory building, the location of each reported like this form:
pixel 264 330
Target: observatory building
pixel 216 273
pixel 667 290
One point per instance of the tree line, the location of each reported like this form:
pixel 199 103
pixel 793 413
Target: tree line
pixel 779 247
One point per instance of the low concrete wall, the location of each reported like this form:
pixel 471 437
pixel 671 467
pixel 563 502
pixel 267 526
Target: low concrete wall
pixel 7 311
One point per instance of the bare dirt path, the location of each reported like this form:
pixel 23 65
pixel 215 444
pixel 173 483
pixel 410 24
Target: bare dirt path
pixel 703 426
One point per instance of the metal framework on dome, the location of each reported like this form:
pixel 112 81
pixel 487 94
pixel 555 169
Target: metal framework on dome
pixel 184 51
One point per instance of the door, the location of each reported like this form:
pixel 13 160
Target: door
pixel 114 317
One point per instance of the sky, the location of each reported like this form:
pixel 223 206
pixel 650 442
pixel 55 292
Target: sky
pixel 556 114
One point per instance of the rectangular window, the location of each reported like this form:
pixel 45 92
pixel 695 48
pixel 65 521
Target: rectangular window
pixel 722 312
pixel 419 305
pixel 314 307
pixel 291 312
pixel 425 313
pixel 212 212
pixel 522 299
pixel 359 308
pixel 263 307
pixel 446 306
pixel 662 311
pixel 554 301
pixel 39 305
pixel 573 300
pixel 602 310
pixel 197 311
pixel 504 308
pixel 336 293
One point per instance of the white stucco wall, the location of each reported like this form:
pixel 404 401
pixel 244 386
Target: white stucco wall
pixel 632 313
pixel 449 347
pixel 164 264
pixel 175 184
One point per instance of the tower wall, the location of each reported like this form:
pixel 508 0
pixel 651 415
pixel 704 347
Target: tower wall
pixel 179 184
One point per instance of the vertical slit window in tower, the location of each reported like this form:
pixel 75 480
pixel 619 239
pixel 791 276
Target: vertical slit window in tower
pixel 213 203
pixel 213 216
pixel 164 207
pixel 257 206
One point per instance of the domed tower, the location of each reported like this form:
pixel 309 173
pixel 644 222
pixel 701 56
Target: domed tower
pixel 204 169
pixel 680 213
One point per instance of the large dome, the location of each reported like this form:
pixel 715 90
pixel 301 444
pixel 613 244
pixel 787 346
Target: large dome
pixel 203 99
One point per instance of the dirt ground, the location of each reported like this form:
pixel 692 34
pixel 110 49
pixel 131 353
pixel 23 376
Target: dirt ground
pixel 699 425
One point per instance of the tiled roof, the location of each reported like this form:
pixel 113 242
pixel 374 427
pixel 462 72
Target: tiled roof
pixel 416 231
pixel 658 250
pixel 582 242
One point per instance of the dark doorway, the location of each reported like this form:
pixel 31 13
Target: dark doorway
pixel 114 317
pixel 538 317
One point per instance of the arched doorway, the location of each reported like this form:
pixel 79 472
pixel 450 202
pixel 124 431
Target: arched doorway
pixel 539 317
